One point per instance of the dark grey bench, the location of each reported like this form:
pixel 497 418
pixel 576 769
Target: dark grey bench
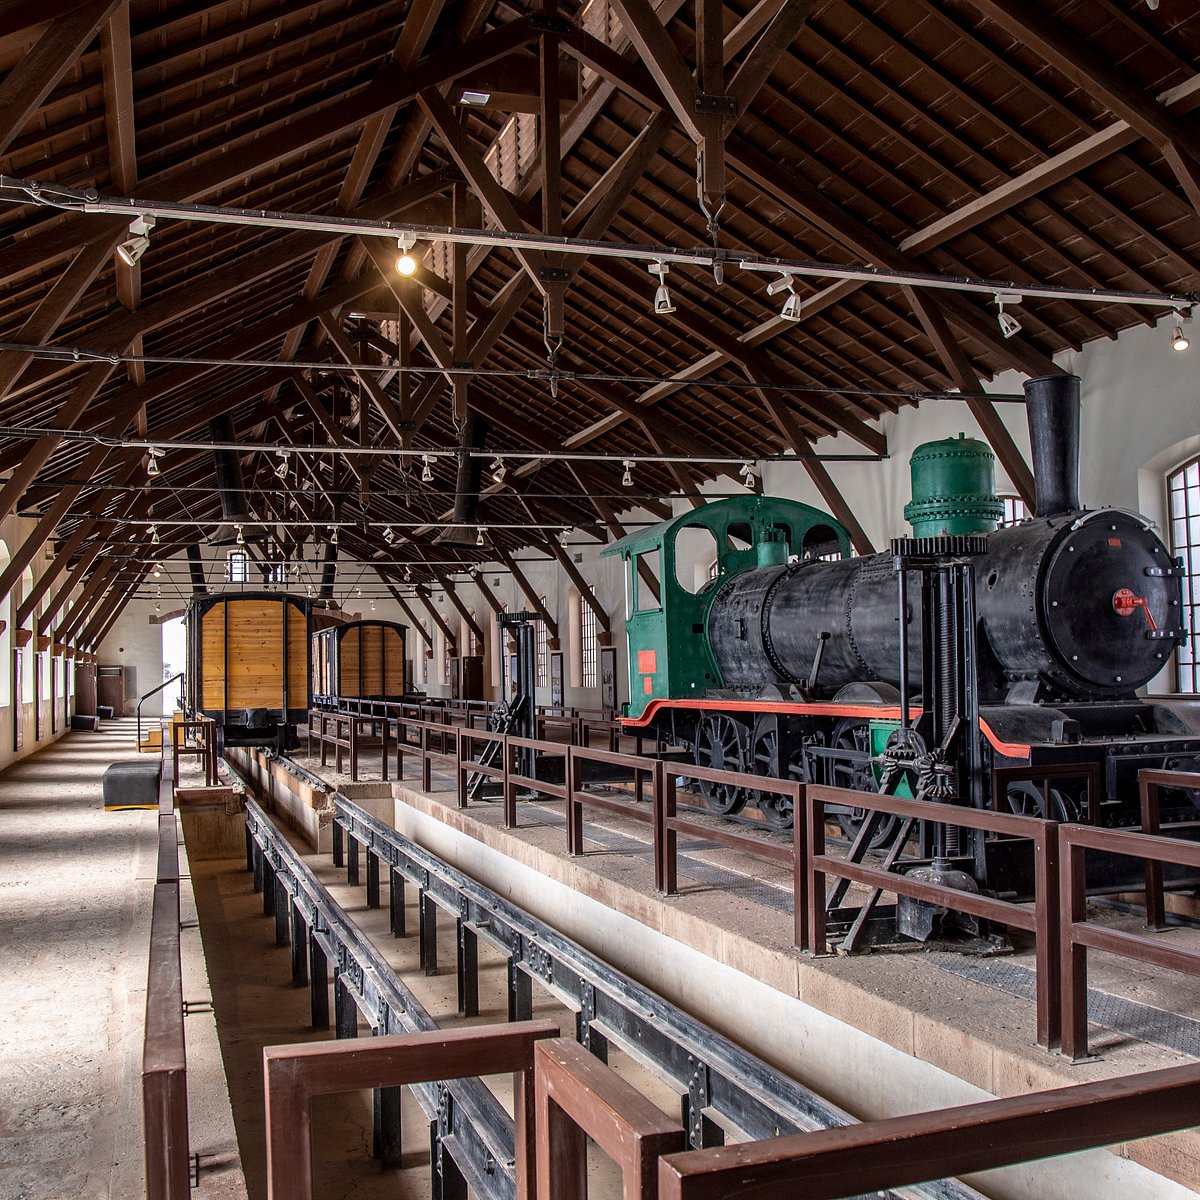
pixel 131 785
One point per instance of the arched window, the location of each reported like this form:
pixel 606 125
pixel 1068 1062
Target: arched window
pixel 1183 510
pixel 29 658
pixel 543 652
pixel 587 644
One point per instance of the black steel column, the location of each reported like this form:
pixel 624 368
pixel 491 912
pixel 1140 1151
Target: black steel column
pixel 318 983
pixel 428 933
pixel 299 947
pixel 345 1011
pixel 396 911
pixel 338 838
pixel 520 993
pixel 468 970
pixel 352 860
pixel 372 879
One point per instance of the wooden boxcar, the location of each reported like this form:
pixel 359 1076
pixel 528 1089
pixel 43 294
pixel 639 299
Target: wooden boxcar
pixel 360 660
pixel 248 665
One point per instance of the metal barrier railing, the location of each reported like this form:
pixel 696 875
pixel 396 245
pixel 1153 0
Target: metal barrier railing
pixel 350 733
pixel 1080 935
pixel 577 1097
pixel 164 1054
pixel 1150 785
pixel 721 1079
pixel 294 1075
pixel 1040 921
pixel 903 1151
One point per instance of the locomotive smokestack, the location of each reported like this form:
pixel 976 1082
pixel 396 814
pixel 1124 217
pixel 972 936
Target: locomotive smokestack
pixel 1052 404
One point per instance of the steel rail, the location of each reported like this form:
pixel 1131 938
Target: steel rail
pixel 466 1119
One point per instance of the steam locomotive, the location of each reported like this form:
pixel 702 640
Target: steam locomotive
pixel 787 663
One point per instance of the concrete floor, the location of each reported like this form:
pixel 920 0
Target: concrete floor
pixel 76 885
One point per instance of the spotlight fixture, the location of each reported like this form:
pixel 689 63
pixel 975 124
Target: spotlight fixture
pixel 389 536
pixel 792 303
pixel 481 535
pixel 358 591
pixel 791 308
pixel 662 296
pixel 138 242
pixel 158 608
pixel 408 574
pixel 1009 325
pixel 333 536
pixel 241 536
pixel 747 472
pixel 281 468
pixel 627 478
pixel 563 534
pixel 427 468
pixel 152 467
pixel 405 263
pixel 1152 5
pixel 154 538
pixel 499 470
pixel 157 570
pixel 372 605
pixel 308 587
pixel 1179 338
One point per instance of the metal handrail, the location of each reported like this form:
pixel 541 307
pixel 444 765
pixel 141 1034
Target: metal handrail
pixel 152 692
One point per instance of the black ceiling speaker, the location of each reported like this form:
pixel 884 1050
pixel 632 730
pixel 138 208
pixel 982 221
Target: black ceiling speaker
pixel 466 484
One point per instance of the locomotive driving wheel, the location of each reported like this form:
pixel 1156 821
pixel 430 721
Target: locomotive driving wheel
pixel 776 809
pixel 721 744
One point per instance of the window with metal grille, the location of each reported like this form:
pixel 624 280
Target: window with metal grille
pixel 543 651
pixel 1183 504
pixel 237 570
pixel 587 644
pixel 1014 511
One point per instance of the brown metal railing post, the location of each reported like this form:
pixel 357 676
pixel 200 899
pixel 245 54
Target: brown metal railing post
pixel 665 801
pixel 801 897
pixel 574 807
pixel 815 817
pixel 460 771
pixel 353 740
pixel 1047 935
pixel 1073 908
pixel 510 788
pixel 384 727
pixel 1156 915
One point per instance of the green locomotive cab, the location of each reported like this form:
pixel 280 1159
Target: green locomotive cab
pixel 667 607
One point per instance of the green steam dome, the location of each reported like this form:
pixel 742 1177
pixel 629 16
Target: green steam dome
pixel 953 488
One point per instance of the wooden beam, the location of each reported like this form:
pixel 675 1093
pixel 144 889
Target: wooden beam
pixel 417 624
pixel 959 367
pixel 774 41
pixel 38 71
pixel 463 611
pixel 1051 40
pixel 581 584
pixel 530 593
pixel 427 600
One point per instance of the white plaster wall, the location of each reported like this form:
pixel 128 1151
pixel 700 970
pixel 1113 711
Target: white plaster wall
pixel 134 642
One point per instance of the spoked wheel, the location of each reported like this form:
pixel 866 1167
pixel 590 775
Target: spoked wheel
pixel 720 745
pixel 854 738
pixel 776 809
pixel 1026 800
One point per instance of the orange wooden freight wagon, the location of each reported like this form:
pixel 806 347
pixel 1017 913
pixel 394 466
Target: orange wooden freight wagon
pixel 249 665
pixel 360 660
